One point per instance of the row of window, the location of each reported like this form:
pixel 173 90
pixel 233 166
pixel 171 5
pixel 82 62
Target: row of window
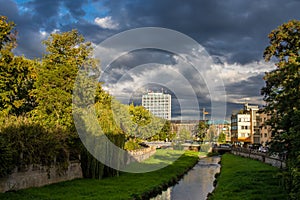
pixel 266 135
pixel 244 134
pixel 241 127
pixel 155 104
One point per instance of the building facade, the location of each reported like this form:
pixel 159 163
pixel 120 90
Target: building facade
pixel 254 122
pixel 159 104
pixel 265 130
pixel 240 128
pixel 245 125
pixel 221 126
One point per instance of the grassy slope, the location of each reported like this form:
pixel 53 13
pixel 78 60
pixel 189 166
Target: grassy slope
pixel 126 186
pixel 243 178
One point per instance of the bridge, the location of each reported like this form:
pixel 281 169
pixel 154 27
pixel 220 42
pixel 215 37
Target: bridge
pixel 221 150
pixel 165 145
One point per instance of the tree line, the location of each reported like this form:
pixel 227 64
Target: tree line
pixel 36 121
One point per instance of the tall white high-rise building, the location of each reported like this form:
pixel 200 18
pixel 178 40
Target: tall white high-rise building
pixel 159 104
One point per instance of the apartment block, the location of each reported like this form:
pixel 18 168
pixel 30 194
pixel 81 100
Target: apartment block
pixel 245 125
pixel 159 104
pixel 265 130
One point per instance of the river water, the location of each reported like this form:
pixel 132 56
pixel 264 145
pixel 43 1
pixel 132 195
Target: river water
pixel 196 184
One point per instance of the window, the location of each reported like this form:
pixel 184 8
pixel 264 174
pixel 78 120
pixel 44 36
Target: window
pixel 266 135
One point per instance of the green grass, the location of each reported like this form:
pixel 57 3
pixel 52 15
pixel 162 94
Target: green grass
pixel 126 186
pixel 243 178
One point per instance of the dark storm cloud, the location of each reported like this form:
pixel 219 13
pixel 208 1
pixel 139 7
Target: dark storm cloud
pixel 29 39
pixel 247 88
pixel 235 29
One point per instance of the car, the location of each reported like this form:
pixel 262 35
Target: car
pixel 225 146
pixel 263 149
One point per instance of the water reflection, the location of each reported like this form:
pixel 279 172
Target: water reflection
pixel 196 184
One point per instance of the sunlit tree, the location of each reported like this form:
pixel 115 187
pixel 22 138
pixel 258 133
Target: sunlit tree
pixel 282 97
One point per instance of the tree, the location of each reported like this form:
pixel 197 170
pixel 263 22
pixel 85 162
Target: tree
pixel 165 131
pixel 222 138
pixel 282 97
pixel 202 130
pixel 7 35
pixel 185 134
pixel 140 116
pixel 17 74
pixel 66 53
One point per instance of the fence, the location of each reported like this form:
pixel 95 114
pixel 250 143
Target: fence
pixel 272 160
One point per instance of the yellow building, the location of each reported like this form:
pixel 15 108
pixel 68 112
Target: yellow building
pixel 245 125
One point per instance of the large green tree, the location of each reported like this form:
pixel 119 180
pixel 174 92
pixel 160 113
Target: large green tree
pixel 140 116
pixel 282 97
pixel 66 53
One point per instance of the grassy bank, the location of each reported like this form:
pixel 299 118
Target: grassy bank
pixel 126 186
pixel 243 178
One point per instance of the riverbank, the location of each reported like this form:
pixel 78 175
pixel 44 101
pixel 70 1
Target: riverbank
pixel 126 186
pixel 244 178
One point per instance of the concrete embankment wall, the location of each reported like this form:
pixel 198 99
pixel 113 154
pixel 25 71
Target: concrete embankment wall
pixel 38 175
pixel 262 157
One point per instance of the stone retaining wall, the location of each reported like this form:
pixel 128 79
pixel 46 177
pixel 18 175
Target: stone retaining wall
pixel 37 176
pixel 261 157
pixel 141 154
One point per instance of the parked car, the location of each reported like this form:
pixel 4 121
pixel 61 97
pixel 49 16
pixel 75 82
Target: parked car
pixel 225 145
pixel 263 149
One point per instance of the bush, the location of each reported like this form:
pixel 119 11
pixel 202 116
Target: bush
pixel 25 142
pixel 6 158
pixel 205 147
pixel 131 145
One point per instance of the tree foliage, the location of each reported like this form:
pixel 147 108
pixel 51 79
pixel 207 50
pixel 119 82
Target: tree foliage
pixel 222 138
pixel 202 130
pixel 66 53
pixel 17 74
pixel 7 35
pixel 282 97
pixel 140 116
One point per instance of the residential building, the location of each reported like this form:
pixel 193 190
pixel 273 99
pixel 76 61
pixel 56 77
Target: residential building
pixel 265 130
pixel 158 103
pixel 221 126
pixel 240 128
pixel 254 122
pixel 189 125
pixel 245 125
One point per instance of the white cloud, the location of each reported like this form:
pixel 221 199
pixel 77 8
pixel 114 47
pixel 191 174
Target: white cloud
pixel 106 23
pixel 236 72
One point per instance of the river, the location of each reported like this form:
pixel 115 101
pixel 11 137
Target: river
pixel 196 184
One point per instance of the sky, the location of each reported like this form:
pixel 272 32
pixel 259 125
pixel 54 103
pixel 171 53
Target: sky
pixel 233 33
